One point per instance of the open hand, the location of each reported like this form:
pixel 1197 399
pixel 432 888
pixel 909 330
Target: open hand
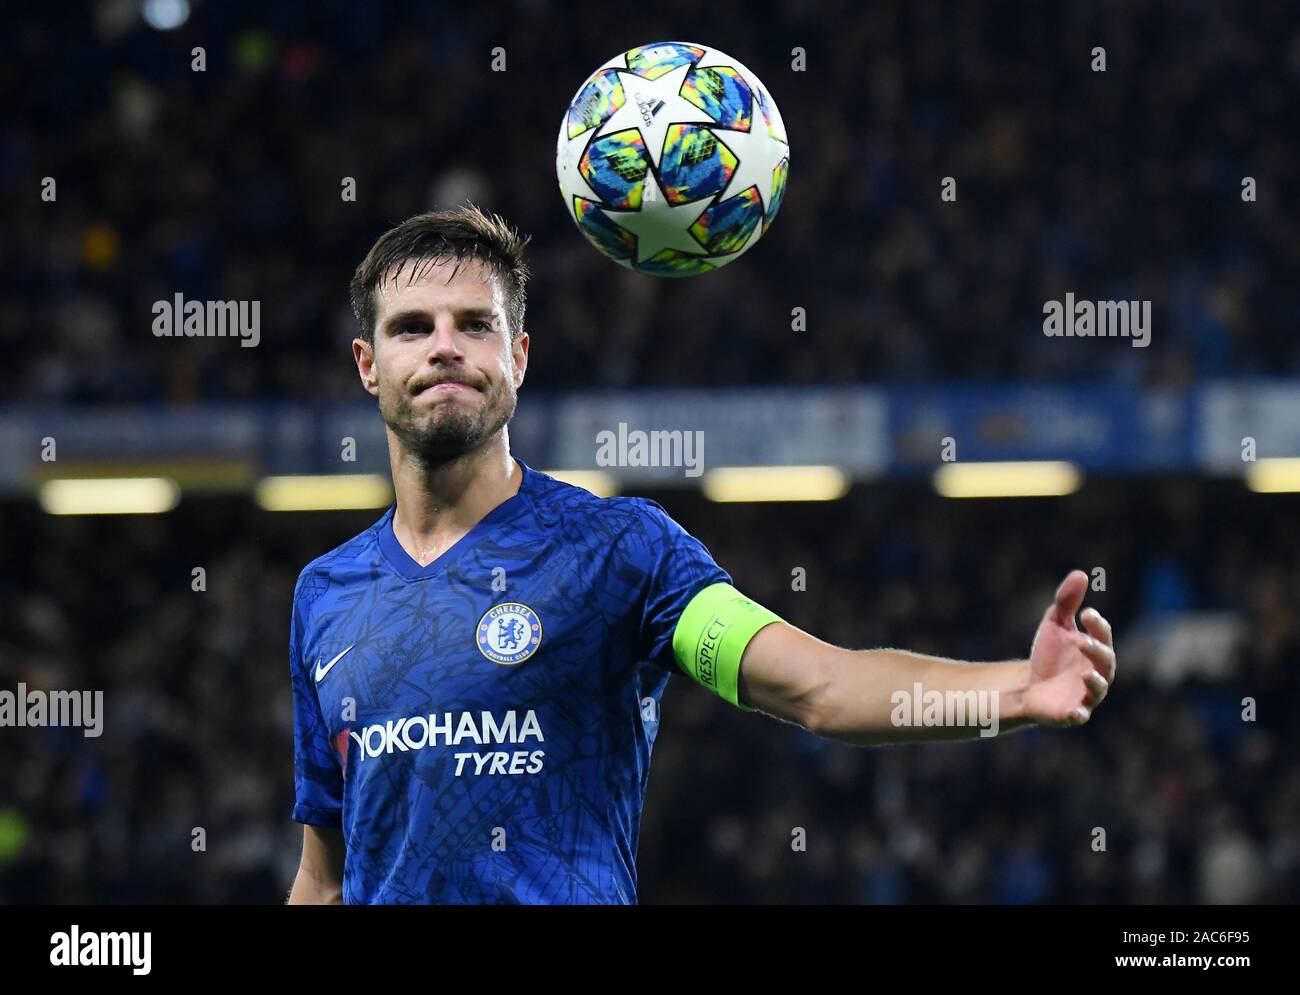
pixel 1070 670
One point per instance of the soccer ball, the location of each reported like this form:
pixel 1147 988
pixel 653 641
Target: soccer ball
pixel 672 159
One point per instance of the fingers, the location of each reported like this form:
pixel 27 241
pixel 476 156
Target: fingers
pixel 1099 629
pixel 1069 598
pixel 1101 655
pixel 1078 717
pixel 1097 626
pixel 1097 687
pixel 1095 681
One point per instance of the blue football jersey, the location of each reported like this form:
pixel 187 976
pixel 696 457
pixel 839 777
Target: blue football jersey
pixel 481 728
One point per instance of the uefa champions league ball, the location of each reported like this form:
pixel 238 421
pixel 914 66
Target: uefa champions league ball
pixel 672 159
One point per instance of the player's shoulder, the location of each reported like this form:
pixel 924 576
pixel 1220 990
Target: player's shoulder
pixel 558 498
pixel 622 521
pixel 314 578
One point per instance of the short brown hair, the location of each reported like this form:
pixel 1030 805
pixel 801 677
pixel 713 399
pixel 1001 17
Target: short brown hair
pixel 458 233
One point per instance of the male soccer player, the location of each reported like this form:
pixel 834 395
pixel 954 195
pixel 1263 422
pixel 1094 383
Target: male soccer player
pixel 476 676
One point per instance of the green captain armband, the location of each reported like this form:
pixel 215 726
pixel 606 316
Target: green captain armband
pixel 711 637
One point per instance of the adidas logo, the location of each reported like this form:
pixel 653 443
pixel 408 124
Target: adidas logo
pixel 648 107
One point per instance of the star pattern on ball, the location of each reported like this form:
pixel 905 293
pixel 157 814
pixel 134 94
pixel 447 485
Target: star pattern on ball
pixel 653 106
pixel 666 227
pixel 572 182
pixel 758 156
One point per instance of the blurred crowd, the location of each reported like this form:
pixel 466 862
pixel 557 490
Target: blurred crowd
pixel 227 184
pixel 1196 804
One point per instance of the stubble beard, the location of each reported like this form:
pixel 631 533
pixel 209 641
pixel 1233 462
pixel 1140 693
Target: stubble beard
pixel 452 428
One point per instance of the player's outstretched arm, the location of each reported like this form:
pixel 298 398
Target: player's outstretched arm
pixel 893 696
pixel 320 872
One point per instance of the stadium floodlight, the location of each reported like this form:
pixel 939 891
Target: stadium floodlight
pixel 326 492
pixel 165 15
pixel 775 483
pixel 1029 478
pixel 1274 476
pixel 108 495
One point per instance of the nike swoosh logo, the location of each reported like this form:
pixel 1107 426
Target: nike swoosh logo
pixel 322 671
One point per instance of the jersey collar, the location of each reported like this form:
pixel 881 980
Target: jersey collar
pixel 406 566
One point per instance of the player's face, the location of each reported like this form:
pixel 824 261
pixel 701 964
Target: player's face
pixel 443 365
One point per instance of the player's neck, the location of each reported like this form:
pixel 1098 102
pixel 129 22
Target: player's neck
pixel 437 504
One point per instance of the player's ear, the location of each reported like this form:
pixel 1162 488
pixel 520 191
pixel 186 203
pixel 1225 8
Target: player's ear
pixel 519 349
pixel 364 354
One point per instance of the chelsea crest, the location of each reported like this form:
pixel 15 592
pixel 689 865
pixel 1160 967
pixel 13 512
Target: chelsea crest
pixel 509 633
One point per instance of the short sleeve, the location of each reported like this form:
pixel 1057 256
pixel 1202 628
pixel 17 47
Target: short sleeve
pixel 317 774
pixel 676 566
